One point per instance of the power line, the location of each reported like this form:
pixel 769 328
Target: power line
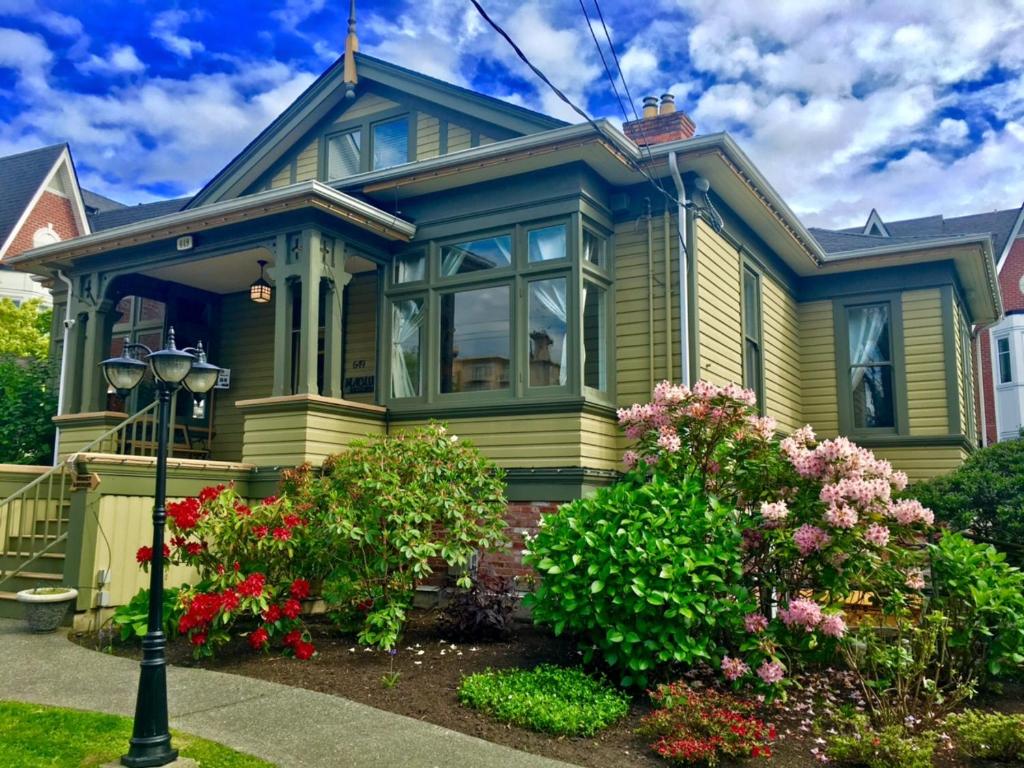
pixel 607 71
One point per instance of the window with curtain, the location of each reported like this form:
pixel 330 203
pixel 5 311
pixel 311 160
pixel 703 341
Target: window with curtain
pixel 870 372
pixel 752 354
pixel 593 248
pixel 476 339
pixel 1004 362
pixel 390 143
pixel 343 154
pixel 595 356
pixel 546 244
pixel 410 268
pixel 406 345
pixel 548 326
pixel 476 255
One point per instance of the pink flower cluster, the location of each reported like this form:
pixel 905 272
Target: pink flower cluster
pixel 771 672
pixel 774 513
pixel 755 623
pixel 808 615
pixel 734 669
pixel 810 538
pixel 910 511
pixel 841 516
pixel 877 534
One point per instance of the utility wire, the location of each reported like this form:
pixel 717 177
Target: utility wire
pixel 604 61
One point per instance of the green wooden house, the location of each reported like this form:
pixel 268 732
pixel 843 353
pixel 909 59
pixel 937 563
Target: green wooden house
pixel 437 254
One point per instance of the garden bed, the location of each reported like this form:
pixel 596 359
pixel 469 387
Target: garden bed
pixel 431 668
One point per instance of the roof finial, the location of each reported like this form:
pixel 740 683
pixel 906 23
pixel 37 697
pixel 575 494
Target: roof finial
pixel 350 77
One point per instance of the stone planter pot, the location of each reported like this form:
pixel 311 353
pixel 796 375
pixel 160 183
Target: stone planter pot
pixel 45 608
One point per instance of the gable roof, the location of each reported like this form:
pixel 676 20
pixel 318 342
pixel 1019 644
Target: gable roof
pixel 21 176
pixel 132 214
pixel 327 92
pixel 999 224
pixel 97 203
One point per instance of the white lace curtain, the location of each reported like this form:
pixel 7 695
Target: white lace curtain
pixel 407 318
pixel 866 325
pixel 551 295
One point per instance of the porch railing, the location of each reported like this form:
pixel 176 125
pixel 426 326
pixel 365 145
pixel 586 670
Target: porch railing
pixel 34 519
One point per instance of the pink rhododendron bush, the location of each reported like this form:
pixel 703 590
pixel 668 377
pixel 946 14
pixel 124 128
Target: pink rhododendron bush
pixel 820 529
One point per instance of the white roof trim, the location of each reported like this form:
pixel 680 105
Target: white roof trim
pixel 190 215
pixel 874 220
pixel 1014 234
pixel 77 206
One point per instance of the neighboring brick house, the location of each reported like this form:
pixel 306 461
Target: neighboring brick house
pixel 1000 346
pixel 40 203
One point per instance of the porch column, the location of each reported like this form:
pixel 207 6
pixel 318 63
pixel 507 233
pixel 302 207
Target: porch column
pixel 74 338
pixel 95 346
pixel 334 298
pixel 310 270
pixel 283 274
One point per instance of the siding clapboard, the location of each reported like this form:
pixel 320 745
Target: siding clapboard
pixel 365 105
pixel 925 360
pixel 780 330
pixel 718 308
pixel 361 331
pixel 458 137
pixel 307 160
pixel 428 136
pixel 818 367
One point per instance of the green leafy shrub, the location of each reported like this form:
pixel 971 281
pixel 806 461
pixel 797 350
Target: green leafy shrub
pixel 28 403
pixel 985 495
pixel 698 728
pixel 646 574
pixel 892 746
pixel 482 612
pixel 983 598
pixel 386 509
pixel 565 702
pixel 133 618
pixel 988 735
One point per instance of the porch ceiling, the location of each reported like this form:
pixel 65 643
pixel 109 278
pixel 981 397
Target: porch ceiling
pixel 233 272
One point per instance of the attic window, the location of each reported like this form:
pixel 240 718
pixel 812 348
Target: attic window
pixel 390 143
pixel 343 154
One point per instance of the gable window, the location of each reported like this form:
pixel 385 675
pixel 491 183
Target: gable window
pixel 1004 360
pixel 343 154
pixel 390 143
pixel 475 330
pixel 753 366
pixel 870 370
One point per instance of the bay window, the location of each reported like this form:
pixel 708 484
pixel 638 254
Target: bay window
pixel 498 315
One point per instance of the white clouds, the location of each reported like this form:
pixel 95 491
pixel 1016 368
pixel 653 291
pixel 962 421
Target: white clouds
pixel 58 23
pixel 120 59
pixel 28 55
pixel 951 131
pixel 165 28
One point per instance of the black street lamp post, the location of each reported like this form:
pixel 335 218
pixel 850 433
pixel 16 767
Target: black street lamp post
pixel 151 738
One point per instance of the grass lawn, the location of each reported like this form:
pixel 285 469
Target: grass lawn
pixel 34 736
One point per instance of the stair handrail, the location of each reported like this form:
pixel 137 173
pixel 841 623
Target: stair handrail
pixel 61 468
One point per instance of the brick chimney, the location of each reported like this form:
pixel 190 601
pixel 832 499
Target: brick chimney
pixel 659 125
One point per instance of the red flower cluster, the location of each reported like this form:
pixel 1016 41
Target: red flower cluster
pixel 253 585
pixel 299 589
pixel 211 492
pixel 200 612
pixel 282 534
pixel 258 639
pixel 291 521
pixel 145 554
pixel 292 608
pixel 272 614
pixel 185 514
pixel 242 510
pixel 300 647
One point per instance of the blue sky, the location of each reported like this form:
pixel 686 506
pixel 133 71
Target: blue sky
pixel 913 107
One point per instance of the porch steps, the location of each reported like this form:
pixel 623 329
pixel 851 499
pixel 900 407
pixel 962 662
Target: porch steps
pixel 47 570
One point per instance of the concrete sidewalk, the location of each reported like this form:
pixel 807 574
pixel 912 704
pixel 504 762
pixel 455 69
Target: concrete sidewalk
pixel 291 727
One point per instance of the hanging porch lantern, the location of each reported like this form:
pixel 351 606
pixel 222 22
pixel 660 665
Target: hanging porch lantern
pixel 260 291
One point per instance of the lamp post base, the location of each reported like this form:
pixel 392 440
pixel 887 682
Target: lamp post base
pixel 181 762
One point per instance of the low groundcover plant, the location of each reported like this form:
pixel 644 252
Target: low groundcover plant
pixel 561 701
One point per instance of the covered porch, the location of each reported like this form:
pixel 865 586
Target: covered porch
pixel 300 369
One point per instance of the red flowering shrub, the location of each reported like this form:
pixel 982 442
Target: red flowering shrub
pixel 699 728
pixel 247 577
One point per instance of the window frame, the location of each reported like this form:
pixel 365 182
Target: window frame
pixel 841 340
pixel 518 275
pixel 410 140
pixel 747 267
pixel 365 125
pixel 1009 359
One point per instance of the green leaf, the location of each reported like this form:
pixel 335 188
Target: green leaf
pixel 596 586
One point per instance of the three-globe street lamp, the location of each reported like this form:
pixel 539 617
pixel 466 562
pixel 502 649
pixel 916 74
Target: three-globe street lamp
pixel 172 368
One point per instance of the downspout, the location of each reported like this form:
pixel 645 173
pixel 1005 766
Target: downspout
pixel 684 278
pixel 668 297
pixel 68 324
pixel 979 375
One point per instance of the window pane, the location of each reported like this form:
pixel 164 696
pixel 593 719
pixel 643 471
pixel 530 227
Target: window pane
pixel 869 334
pixel 752 368
pixel 406 338
pixel 475 340
pixel 123 312
pixel 595 363
pixel 151 311
pixel 547 244
pixel 593 248
pixel 548 348
pixel 343 155
pixel 1005 370
pixel 391 143
pixel 751 306
pixel 476 255
pixel 873 396
pixel 410 268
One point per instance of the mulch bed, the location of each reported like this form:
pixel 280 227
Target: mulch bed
pixel 431 667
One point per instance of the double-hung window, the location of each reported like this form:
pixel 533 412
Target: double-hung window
pixel 344 154
pixel 367 146
pixel 753 357
pixel 869 349
pixel 1004 360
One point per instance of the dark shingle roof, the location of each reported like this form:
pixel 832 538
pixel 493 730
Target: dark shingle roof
pixel 133 214
pixel 97 203
pixel 20 177
pixel 998 224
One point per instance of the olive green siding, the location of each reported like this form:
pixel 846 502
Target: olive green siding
pixel 922 462
pixel 360 330
pixel 634 362
pixel 543 440
pixel 925 362
pixel 458 138
pixel 964 363
pixel 246 347
pixel 428 137
pixel 719 312
pixel 288 437
pixel 781 335
pixel 818 367
pixel 306 161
